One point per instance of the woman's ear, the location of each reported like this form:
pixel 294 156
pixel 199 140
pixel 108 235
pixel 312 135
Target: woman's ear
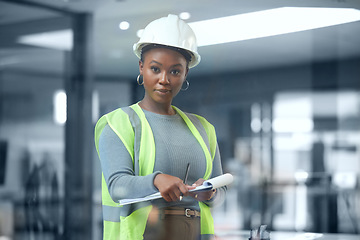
pixel 141 66
pixel 187 71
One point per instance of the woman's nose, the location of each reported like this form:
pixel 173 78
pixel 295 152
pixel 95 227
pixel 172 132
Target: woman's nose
pixel 164 78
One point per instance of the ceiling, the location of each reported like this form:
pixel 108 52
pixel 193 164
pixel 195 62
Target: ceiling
pixel 113 47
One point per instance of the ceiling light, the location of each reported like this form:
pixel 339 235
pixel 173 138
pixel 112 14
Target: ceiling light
pixel 301 176
pixel 269 23
pixel 124 25
pixel 283 125
pixel 59 40
pixel 60 108
pixel 185 15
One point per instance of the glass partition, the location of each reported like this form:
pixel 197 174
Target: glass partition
pixel 32 117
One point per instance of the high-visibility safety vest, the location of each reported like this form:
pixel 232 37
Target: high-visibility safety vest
pixel 131 126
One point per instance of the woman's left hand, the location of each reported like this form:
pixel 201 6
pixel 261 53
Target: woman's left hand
pixel 203 195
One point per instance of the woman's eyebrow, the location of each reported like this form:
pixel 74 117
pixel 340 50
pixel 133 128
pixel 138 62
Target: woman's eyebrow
pixel 153 61
pixel 175 65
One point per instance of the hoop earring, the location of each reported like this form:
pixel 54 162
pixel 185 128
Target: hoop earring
pixel 138 80
pixel 187 86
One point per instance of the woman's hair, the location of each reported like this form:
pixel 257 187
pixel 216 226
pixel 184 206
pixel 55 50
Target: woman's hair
pixel 183 52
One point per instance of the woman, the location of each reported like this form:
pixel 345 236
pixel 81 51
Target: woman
pixel 146 147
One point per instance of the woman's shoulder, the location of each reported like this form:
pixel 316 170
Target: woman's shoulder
pixel 197 117
pixel 115 117
pixel 117 112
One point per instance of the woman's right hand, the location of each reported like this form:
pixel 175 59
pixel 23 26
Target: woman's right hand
pixel 170 187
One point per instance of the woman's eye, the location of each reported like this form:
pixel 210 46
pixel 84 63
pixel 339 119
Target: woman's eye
pixel 155 69
pixel 175 72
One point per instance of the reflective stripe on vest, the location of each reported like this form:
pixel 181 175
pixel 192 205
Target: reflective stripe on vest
pixel 132 226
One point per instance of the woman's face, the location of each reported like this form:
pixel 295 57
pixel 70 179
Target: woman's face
pixel 164 71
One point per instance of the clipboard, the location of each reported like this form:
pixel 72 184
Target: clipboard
pixel 207 185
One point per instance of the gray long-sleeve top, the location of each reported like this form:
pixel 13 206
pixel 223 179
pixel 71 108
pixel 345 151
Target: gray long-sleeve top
pixel 175 146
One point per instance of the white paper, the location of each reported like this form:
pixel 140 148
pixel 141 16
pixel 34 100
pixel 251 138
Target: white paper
pixel 219 181
pixel 207 185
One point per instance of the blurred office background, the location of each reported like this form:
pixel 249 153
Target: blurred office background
pixel 286 109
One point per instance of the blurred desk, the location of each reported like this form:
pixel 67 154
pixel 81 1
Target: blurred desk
pixel 244 235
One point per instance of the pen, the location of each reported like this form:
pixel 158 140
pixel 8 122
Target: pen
pixel 186 176
pixel 186 173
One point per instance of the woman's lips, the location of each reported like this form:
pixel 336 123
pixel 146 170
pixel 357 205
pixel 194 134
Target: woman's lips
pixel 163 91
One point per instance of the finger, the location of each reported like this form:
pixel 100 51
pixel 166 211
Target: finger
pixel 174 194
pixel 174 197
pixel 166 197
pixel 184 189
pixel 199 182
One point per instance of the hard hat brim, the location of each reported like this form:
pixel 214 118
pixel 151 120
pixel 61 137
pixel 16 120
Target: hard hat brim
pixel 195 57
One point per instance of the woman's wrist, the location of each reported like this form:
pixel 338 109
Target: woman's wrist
pixel 156 174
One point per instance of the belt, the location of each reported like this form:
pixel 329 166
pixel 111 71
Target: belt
pixel 182 212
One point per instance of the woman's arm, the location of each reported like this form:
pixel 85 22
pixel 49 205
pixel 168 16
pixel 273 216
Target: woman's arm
pixel 117 167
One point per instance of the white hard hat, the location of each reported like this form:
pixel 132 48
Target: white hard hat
pixel 169 31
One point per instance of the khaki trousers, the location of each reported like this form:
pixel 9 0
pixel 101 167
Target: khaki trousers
pixel 172 227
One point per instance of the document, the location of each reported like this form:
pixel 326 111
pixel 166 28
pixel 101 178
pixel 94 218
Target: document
pixel 207 185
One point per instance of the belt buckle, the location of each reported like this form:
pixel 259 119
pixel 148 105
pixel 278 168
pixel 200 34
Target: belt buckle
pixel 187 212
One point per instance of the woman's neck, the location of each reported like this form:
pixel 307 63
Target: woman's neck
pixel 163 109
